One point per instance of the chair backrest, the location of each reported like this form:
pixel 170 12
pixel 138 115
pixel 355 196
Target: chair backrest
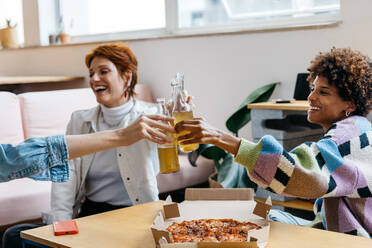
pixel 302 89
pixel 48 112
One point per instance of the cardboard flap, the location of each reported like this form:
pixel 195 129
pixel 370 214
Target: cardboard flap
pixel 194 194
pixel 170 208
pixel 262 209
pixel 158 229
pixel 163 241
pixel 158 221
pixel 212 179
pixel 260 235
pixel 168 200
pixel 159 234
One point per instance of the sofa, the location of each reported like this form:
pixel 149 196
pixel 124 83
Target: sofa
pixel 35 114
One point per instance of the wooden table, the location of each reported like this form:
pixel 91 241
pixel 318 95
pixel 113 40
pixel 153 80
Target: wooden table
pixel 21 84
pixel 130 228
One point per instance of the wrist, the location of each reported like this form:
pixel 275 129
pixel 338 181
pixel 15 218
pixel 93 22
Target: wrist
pixel 118 137
pixel 227 142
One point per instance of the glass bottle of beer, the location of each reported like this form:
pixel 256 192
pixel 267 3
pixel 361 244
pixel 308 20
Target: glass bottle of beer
pixel 167 153
pixel 181 109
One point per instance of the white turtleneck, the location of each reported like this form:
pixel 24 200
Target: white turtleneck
pixel 104 182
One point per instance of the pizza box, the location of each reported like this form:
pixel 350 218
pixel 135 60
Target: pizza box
pixel 214 203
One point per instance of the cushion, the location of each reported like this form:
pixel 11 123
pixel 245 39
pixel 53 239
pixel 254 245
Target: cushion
pixel 48 112
pixel 143 93
pixel 23 199
pixel 187 175
pixel 11 131
pixel 55 108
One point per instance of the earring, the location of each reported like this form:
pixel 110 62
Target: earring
pixel 347 113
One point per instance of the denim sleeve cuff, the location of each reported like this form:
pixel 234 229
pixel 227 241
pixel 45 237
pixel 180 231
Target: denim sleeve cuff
pixel 247 154
pixel 58 158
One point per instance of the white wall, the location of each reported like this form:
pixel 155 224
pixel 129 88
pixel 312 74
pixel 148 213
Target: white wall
pixel 220 71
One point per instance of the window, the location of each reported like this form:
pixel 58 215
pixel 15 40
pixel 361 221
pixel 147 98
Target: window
pixel 90 17
pixel 100 20
pixel 12 10
pixel 255 13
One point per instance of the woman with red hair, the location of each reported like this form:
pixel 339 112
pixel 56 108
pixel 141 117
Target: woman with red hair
pixel 114 178
pixel 119 177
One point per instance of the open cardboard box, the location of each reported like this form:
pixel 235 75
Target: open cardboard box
pixel 214 203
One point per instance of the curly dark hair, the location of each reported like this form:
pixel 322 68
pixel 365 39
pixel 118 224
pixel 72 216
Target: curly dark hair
pixel 350 71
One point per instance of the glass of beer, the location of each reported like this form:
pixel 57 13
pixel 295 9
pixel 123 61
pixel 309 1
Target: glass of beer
pixel 167 153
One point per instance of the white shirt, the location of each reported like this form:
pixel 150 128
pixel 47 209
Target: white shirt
pixel 138 165
pixel 104 182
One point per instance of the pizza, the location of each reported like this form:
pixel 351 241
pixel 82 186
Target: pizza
pixel 210 230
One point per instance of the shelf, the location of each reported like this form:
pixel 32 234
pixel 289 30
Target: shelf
pixel 36 79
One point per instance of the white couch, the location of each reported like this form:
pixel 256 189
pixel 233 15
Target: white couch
pixel 36 114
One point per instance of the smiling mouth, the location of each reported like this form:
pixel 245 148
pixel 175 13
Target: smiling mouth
pixel 314 108
pixel 99 88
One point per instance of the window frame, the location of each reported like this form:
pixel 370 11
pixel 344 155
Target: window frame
pixel 171 28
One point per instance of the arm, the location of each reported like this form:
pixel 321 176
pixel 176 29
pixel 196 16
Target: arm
pixel 296 173
pixel 146 127
pixel 311 170
pixel 202 133
pixel 307 171
pixel 37 155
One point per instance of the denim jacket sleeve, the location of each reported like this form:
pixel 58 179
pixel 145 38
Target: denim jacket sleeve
pixel 38 158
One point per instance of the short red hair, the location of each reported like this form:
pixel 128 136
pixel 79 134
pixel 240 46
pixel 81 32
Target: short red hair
pixel 122 57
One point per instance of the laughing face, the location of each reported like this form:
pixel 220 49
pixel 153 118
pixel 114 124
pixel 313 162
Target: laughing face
pixel 108 83
pixel 326 105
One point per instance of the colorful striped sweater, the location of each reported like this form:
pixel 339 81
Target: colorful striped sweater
pixel 337 169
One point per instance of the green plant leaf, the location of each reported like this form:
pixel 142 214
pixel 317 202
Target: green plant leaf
pixel 214 152
pixel 208 151
pixel 243 115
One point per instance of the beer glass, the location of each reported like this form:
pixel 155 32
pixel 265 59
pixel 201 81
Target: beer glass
pixel 167 153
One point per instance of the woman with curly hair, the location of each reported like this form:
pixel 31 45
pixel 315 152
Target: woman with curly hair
pixel 336 170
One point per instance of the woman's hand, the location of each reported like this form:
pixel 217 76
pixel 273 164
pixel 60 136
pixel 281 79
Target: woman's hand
pixel 150 127
pixel 199 131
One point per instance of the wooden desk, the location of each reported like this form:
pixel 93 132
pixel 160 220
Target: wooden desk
pixel 130 228
pixel 21 84
pixel 293 105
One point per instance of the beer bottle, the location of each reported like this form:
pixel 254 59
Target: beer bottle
pixel 181 109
